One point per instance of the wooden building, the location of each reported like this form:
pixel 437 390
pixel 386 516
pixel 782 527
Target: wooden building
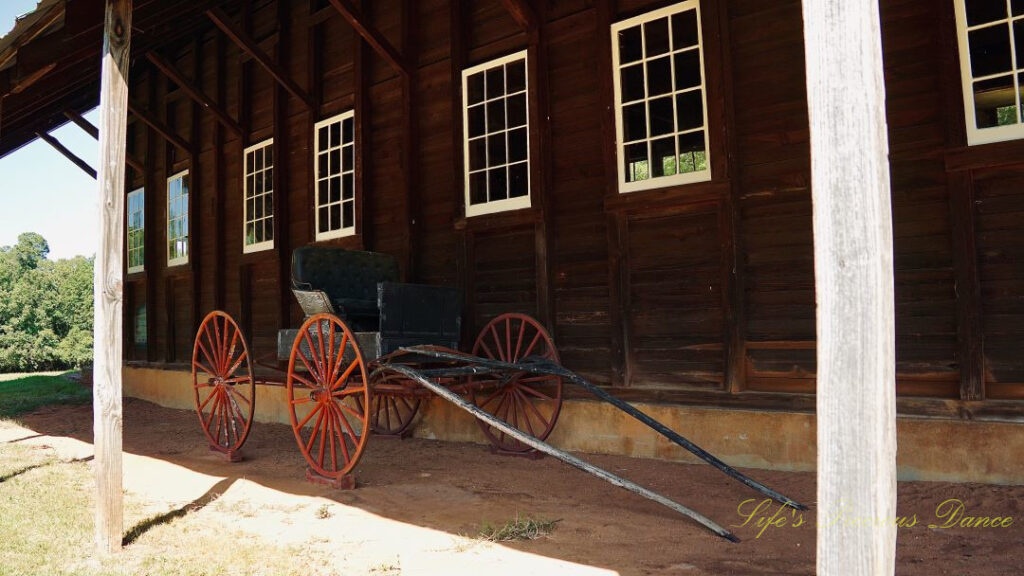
pixel 634 173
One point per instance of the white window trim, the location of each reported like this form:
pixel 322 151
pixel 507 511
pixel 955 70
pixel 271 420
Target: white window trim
pixel 167 228
pixel 977 135
pixel 140 267
pixel 341 232
pixel 266 244
pixel 663 181
pixel 508 203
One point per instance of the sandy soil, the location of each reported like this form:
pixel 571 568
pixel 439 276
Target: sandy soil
pixel 417 500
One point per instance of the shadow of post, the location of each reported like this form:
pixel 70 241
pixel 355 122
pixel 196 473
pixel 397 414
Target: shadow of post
pixel 206 499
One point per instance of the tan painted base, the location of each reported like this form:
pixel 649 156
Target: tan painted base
pixel 928 449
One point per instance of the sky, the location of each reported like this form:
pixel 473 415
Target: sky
pixel 40 190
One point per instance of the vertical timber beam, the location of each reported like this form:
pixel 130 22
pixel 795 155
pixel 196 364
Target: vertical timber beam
pixel 108 281
pixel 541 135
pixel 853 267
pixel 282 234
pixel 410 162
pixel 362 106
pixel 458 54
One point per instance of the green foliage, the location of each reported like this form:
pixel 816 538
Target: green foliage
pixel 45 308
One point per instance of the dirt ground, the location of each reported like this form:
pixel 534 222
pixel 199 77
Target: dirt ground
pixel 418 500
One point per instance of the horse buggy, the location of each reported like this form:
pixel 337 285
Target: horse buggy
pixel 370 352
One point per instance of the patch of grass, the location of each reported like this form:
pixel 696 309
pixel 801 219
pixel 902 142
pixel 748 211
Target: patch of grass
pixel 21 394
pixel 323 512
pixel 518 529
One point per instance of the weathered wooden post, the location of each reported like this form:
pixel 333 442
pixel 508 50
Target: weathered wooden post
pixel 107 290
pixel 854 283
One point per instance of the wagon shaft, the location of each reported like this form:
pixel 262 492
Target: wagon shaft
pixel 542 366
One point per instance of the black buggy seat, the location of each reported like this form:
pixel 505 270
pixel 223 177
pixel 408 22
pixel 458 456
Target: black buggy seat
pixel 329 279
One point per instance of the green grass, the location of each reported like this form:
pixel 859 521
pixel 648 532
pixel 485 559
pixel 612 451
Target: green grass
pixel 23 393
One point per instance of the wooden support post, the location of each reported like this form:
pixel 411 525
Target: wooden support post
pixel 250 47
pixel 853 265
pixel 195 92
pixel 375 39
pixel 108 287
pixel 410 159
pixel 67 153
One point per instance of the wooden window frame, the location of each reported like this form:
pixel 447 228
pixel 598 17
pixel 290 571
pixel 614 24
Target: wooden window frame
pixel 507 204
pixel 679 178
pixel 989 135
pixel 248 218
pixel 181 260
pixel 344 231
pixel 139 231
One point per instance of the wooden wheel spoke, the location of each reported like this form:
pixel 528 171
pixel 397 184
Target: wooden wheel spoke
pixel 339 358
pixel 215 344
pixel 387 412
pixel 322 359
pixel 530 407
pixel 316 430
pixel 317 373
pixel 536 393
pixel 487 349
pixel 519 339
pixel 334 448
pixel 339 418
pixel 306 362
pixel 533 343
pixel 300 400
pixel 347 374
pixel 348 429
pixel 230 353
pixel 323 441
pixel 308 416
pixel 348 392
pixel 497 341
pixel 234 367
pixel 332 362
pixel 235 393
pixel 508 340
pixel 346 408
pixel 303 381
pixel 239 380
pixel 490 398
pixel 405 401
pixel 206 354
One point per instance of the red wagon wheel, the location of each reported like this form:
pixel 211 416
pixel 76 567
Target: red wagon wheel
pixel 529 402
pixel 327 393
pixel 393 411
pixel 222 382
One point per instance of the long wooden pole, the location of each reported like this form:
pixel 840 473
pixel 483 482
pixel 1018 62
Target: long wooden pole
pixel 108 289
pixel 853 263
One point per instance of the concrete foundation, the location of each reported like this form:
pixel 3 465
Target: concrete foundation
pixel 928 449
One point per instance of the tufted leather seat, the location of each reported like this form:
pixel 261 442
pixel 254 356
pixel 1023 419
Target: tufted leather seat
pixel 348 277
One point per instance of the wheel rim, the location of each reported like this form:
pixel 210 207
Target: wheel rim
pixel 391 413
pixel 222 382
pixel 528 402
pixel 327 394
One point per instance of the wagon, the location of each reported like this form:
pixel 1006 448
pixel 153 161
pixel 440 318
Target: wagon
pixel 372 349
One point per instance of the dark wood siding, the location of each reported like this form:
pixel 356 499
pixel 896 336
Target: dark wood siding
pixel 701 292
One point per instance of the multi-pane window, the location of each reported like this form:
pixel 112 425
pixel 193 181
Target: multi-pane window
pixel 991 38
pixel 335 167
pixel 136 230
pixel 258 233
pixel 496 135
pixel 660 104
pixel 177 219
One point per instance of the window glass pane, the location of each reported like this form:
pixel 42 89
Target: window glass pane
pixel 1018 42
pixel 348 125
pixel 634 119
pixel 495 116
pixel 475 88
pixel 348 158
pixel 663 157
pixel 630 45
pixel 994 102
pixel 656 37
pixel 990 50
pixel 517 145
pixel 692 156
pixel 689 110
pixel 348 215
pixel 518 180
pixel 637 167
pixel 684 29
pixel 268 205
pixel 348 187
pixel 268 230
pixel 496 149
pixel 632 83
pixel 323 220
pixel 322 188
pixel 660 116
pixel 659 76
pixel 517 111
pixel 335 134
pixel 1018 7
pixel 476 121
pixel 268 155
pixel 321 140
pixel 687 69
pixel 250 162
pixel 250 233
pixel 515 76
pixel 982 11
pixel 495 82
pixel 497 187
pixel 334 165
pixel 335 210
pixel 477 154
pixel 268 180
pixel 478 188
pixel 322 165
pixel 335 189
